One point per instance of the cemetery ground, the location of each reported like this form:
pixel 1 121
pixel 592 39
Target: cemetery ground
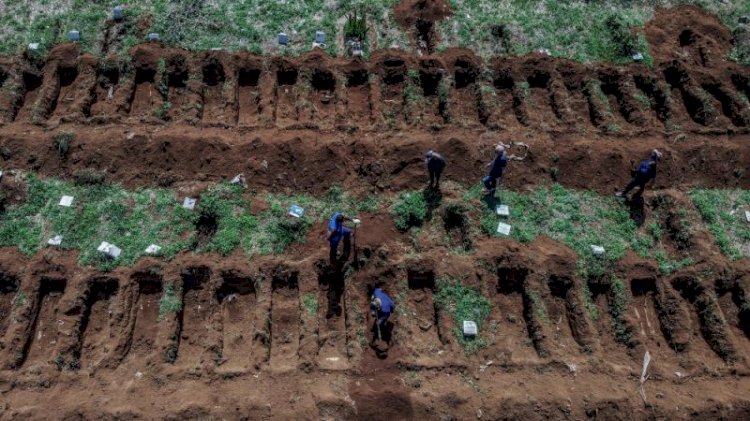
pixel 215 302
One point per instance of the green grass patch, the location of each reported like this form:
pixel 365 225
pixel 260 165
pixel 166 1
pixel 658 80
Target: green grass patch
pixel 464 303
pixel 169 303
pixel 723 211
pixel 588 302
pixel 618 305
pixel 410 210
pixel 578 219
pixel 310 303
pixel 132 220
pixel 539 308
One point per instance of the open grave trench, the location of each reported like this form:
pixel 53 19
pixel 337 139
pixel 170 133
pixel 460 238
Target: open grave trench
pixel 145 329
pixel 146 96
pixel 284 320
pixel 392 92
pixel 178 93
pixel 244 344
pixel 422 331
pixel 430 108
pixel 333 334
pixel 358 100
pixel 98 324
pixel 8 298
pixel 40 345
pixel 287 93
pixel 319 108
pixel 250 106
pixel 218 102
pixel 196 324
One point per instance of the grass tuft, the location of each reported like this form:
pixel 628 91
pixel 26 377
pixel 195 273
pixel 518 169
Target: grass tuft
pixel 410 210
pixel 169 303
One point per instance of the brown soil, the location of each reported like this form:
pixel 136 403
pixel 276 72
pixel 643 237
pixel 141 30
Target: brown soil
pixel 246 343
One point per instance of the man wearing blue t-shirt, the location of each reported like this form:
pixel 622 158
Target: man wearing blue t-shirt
pixel 335 232
pixel 645 173
pixel 381 308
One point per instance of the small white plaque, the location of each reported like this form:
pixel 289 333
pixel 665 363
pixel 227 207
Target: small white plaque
pixel 503 228
pixel 189 203
pixel 470 328
pixel 66 201
pixel 502 210
pixel 110 250
pixel 153 249
pixel 296 211
pixel 55 241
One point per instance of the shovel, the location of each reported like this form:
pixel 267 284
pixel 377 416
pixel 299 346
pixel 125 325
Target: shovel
pixel 380 346
pixel 354 240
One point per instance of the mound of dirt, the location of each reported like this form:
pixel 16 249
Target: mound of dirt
pixel 409 12
pixel 687 33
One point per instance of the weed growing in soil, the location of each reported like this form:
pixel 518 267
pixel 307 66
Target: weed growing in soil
pixel 162 110
pixel 88 177
pixel 588 302
pixel 169 302
pixel 539 308
pixel 410 210
pixel 62 142
pixel 463 303
pixel 618 304
pixel 724 214
pixel 19 299
pixel 310 303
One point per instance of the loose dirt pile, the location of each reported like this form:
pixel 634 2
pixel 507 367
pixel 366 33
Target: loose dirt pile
pixel 287 337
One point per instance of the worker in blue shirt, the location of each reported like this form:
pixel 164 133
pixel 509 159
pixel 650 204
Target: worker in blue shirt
pixel 642 175
pixel 335 232
pixel 381 308
pixel 497 166
pixel 435 164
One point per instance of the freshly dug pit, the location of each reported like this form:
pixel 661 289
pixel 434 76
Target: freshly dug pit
pixel 213 73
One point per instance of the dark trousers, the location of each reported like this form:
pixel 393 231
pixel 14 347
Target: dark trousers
pixel 386 328
pixel 335 248
pixel 490 183
pixel 635 182
pixel 435 177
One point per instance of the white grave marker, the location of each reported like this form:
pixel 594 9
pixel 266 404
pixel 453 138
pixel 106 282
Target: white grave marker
pixel 502 210
pixel 470 328
pixel 55 241
pixel 153 249
pixel 189 203
pixel 597 250
pixel 503 228
pixel 296 211
pixel 110 250
pixel 747 213
pixel 66 201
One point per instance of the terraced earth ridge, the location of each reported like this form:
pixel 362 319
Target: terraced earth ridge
pixel 285 336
